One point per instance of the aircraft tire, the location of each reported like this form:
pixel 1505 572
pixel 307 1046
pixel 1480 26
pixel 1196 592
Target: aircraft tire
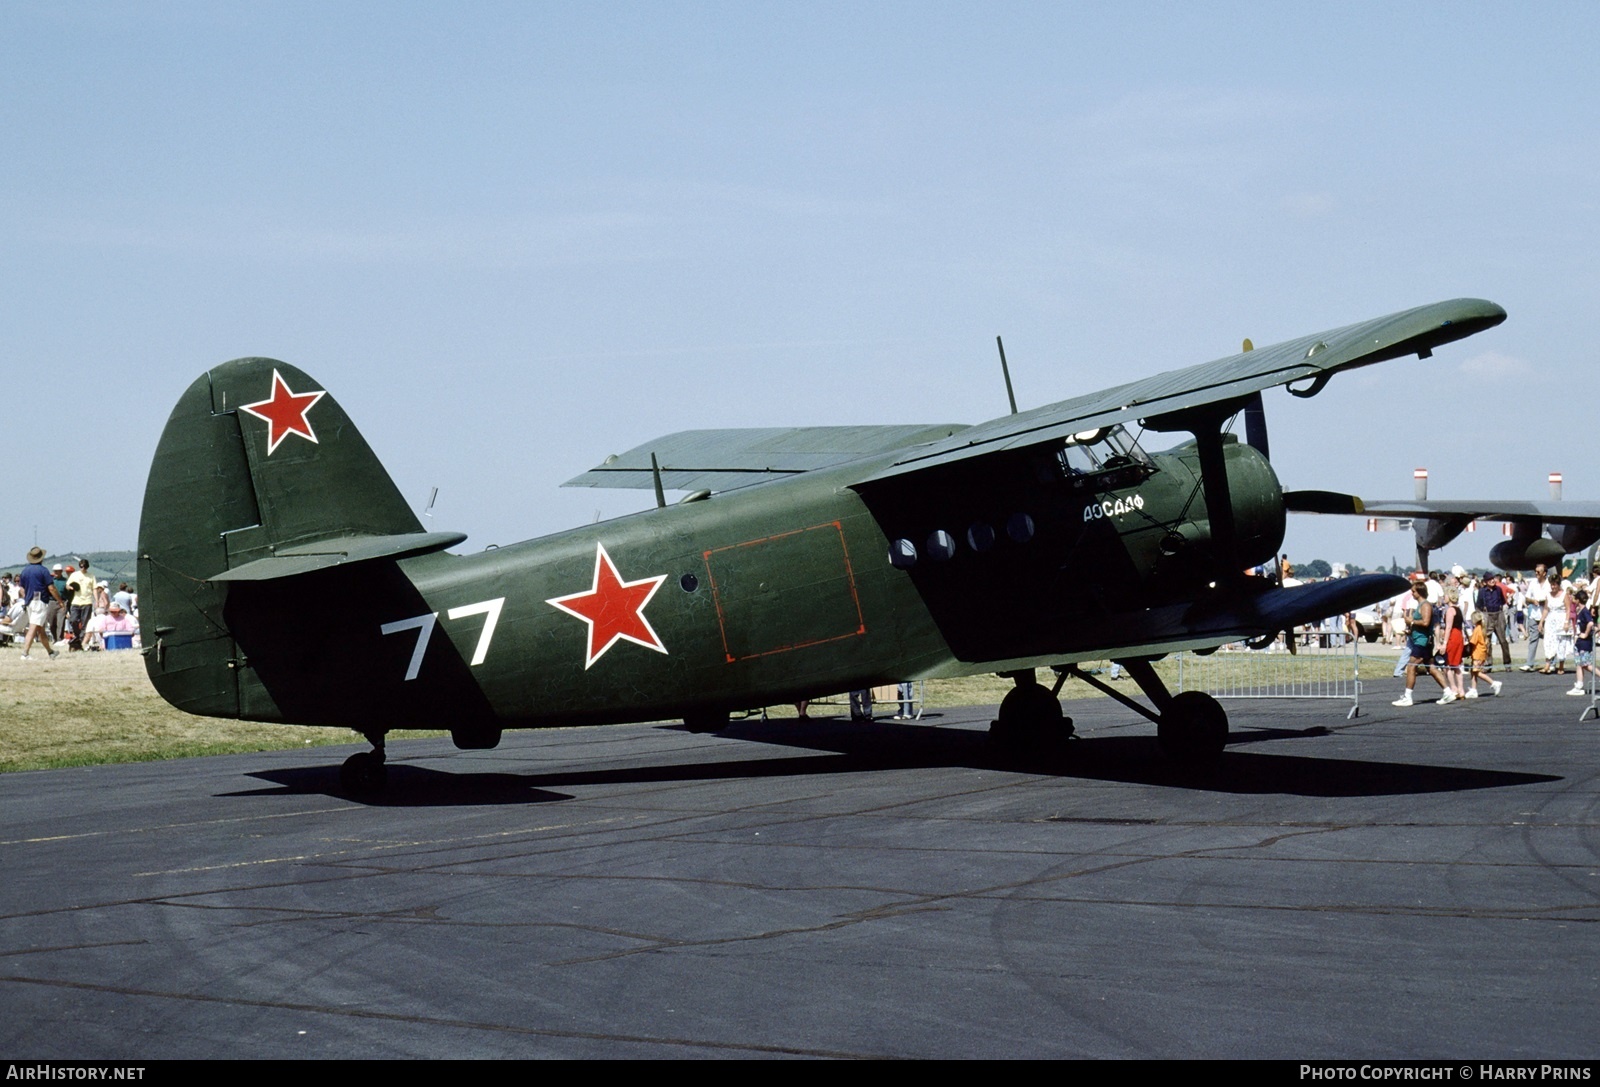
pixel 1194 728
pixel 706 720
pixel 363 773
pixel 1030 721
pixel 475 739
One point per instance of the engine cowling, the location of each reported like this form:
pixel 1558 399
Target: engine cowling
pixel 1513 555
pixel 1574 538
pixel 1434 532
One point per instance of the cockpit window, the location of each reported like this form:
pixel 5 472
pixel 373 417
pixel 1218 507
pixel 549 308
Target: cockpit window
pixel 1094 451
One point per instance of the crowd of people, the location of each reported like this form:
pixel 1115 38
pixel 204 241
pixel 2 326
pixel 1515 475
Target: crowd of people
pixel 65 606
pixel 1448 624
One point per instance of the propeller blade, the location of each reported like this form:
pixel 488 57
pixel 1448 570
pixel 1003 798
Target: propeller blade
pixel 1322 502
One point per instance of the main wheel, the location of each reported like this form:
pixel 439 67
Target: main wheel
pixel 1194 728
pixel 475 739
pixel 363 773
pixel 1030 721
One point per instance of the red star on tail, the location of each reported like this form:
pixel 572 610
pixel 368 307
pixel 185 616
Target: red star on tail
pixel 285 412
pixel 613 608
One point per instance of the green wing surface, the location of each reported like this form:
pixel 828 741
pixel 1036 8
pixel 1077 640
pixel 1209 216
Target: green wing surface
pixel 722 460
pixel 1313 358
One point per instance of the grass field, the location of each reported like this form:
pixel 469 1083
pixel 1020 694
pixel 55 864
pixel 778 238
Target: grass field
pixel 100 707
pixel 90 708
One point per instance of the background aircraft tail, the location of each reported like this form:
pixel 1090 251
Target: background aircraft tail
pixel 259 476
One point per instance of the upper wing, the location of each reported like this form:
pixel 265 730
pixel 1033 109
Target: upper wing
pixel 720 460
pixel 723 459
pixel 1315 358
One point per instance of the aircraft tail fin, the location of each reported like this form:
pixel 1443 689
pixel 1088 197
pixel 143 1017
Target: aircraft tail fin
pixel 259 473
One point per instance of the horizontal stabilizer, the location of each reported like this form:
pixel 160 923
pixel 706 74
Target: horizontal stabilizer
pixel 720 460
pixel 303 558
pixel 1322 502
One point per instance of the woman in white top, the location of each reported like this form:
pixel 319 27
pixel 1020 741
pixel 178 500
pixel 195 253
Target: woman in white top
pixel 1557 631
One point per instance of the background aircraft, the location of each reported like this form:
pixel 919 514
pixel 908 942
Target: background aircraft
pixel 284 578
pixel 1542 533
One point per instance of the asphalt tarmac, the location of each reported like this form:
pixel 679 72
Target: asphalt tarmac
pixel 1413 883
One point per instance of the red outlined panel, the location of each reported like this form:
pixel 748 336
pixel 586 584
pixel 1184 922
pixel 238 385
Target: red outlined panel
pixel 784 592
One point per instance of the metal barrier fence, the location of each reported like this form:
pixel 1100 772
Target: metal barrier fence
pixel 917 700
pixel 1327 666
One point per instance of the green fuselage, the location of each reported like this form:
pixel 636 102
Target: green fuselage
pixel 773 593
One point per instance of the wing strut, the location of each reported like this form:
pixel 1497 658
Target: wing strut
pixel 655 476
pixel 1205 422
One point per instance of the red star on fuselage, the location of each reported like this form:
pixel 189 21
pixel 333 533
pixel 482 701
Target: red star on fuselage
pixel 613 608
pixel 285 412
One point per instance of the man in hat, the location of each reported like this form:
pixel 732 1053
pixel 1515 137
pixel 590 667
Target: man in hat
pixel 1495 602
pixel 38 593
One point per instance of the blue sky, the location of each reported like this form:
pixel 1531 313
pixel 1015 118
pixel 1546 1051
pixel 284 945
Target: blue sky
pixel 514 238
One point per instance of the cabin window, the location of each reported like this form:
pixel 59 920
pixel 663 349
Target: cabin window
pixel 902 554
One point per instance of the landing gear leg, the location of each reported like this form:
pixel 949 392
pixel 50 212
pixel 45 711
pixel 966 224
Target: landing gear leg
pixel 364 772
pixel 1192 726
pixel 1030 720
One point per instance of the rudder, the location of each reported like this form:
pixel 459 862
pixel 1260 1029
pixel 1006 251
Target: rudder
pixel 256 459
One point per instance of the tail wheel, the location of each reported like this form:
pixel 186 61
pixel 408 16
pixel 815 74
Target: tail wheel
pixel 363 773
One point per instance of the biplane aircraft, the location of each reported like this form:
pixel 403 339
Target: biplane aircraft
pixel 283 578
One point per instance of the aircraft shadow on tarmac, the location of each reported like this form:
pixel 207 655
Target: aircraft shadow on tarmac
pixel 409 786
pixel 844 747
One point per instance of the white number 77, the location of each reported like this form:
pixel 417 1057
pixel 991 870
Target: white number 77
pixel 490 608
pixel 424 625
